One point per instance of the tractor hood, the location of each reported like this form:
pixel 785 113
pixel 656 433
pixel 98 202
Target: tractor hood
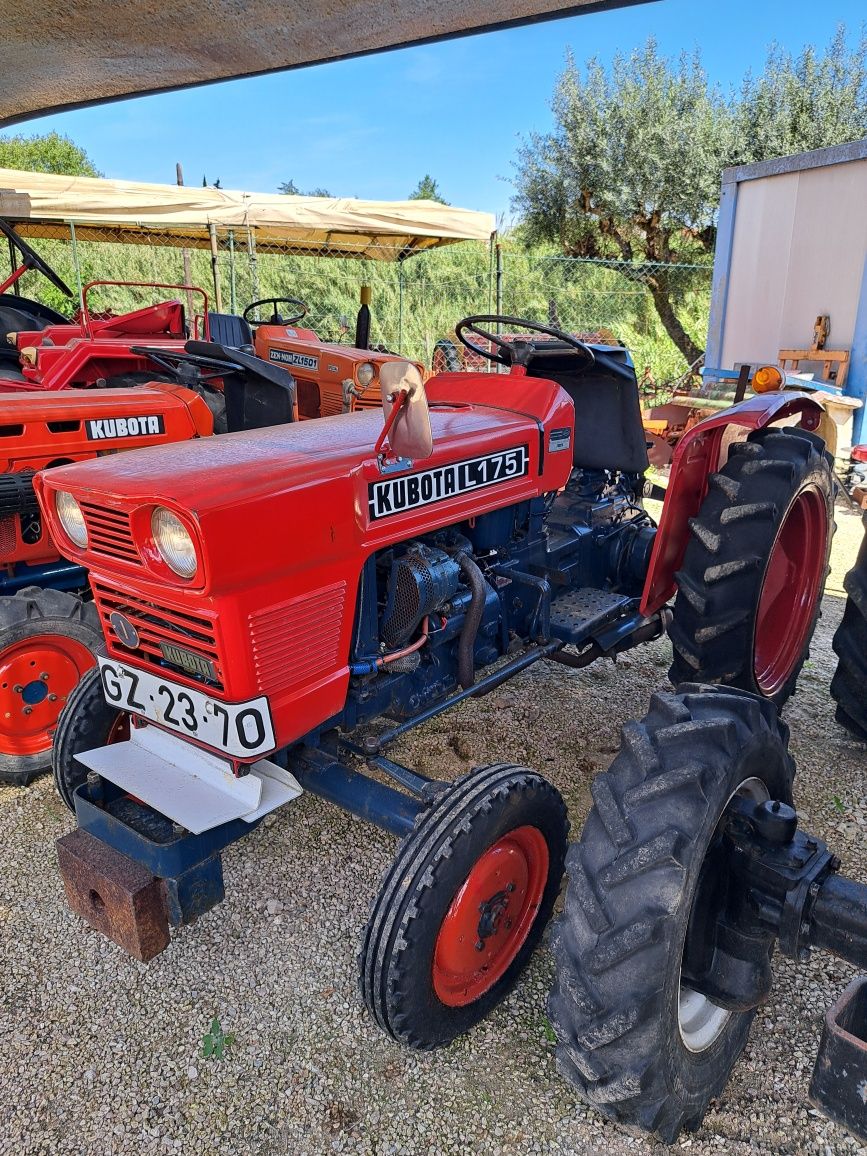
pixel 273 499
pixel 55 55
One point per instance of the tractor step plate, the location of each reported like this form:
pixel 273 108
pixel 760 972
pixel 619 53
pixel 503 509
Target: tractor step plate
pixel 188 785
pixel 579 614
pixel 839 1083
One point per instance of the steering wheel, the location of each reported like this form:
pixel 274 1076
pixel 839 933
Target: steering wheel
pixel 32 260
pixel 515 352
pixel 276 319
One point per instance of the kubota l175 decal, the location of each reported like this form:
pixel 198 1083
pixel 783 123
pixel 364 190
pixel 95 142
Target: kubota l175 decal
pixel 396 495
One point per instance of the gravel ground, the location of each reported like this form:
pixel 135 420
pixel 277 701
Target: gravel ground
pixel 100 1054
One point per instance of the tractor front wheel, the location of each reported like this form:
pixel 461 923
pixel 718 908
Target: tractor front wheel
pixel 87 722
pixel 754 570
pixel 463 905
pixel 849 684
pixel 645 885
pixel 47 642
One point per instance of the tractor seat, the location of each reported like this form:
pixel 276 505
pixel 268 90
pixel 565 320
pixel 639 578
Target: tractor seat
pixel 14 320
pixel 608 430
pixel 230 330
pixel 9 372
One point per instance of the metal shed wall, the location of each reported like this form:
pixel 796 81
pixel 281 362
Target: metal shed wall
pixel 792 244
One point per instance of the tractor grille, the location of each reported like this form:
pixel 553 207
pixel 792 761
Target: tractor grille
pixel 297 640
pixel 108 533
pixel 369 398
pixel 193 634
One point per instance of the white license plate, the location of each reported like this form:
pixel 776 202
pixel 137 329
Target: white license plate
pixel 242 729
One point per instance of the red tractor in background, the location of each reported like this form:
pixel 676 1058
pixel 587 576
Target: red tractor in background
pixel 493 521
pixel 41 349
pixel 49 629
pixel 46 351
pixel 330 377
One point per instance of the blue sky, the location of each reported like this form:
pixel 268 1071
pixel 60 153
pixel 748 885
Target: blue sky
pixel 372 127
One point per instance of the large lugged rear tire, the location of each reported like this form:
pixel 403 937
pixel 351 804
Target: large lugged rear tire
pixel 463 905
pixel 849 684
pixel 636 1043
pixel 48 640
pixel 751 584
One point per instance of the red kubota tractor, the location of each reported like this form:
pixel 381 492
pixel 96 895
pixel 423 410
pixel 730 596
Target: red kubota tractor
pixel 42 350
pixel 49 629
pixel 395 570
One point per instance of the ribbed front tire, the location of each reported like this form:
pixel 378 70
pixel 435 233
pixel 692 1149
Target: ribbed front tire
pixel 463 905
pixel 48 639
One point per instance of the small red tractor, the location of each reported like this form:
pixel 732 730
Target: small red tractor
pixel 49 629
pixel 494 520
pixel 42 350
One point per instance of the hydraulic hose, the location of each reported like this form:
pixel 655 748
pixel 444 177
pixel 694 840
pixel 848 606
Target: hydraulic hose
pixel 472 620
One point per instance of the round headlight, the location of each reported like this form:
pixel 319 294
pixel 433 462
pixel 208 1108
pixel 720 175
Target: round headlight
pixel 365 374
pixel 174 542
pixel 71 518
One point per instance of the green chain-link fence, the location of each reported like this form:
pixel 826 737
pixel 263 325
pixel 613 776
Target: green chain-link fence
pixel 415 301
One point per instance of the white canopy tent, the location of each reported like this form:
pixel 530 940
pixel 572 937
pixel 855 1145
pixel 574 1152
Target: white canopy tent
pixel 109 210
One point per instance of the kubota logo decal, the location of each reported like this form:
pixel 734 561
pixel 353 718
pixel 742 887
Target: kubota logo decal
pixel 396 495
pixel 124 427
pixel 299 360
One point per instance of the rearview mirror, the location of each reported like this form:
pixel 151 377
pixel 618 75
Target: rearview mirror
pixel 410 434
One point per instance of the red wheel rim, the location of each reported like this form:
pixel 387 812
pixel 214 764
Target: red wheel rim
pixel 36 677
pixel 790 591
pixel 490 917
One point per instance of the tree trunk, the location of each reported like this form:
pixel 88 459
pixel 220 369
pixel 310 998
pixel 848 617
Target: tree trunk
pixel 659 291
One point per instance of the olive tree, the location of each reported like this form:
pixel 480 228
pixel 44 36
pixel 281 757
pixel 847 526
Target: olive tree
pixel 632 167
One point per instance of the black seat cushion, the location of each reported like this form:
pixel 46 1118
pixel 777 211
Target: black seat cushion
pixel 608 430
pixel 229 330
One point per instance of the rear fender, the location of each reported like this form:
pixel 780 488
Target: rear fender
pixel 699 454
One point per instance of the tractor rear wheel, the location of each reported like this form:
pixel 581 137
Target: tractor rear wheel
pixel 463 905
pixel 751 584
pixel 634 1038
pixel 48 640
pixel 849 684
pixel 86 722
